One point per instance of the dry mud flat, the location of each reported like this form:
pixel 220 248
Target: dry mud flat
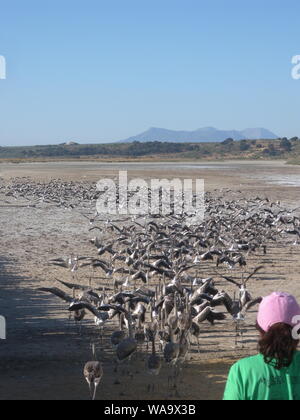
pixel 43 355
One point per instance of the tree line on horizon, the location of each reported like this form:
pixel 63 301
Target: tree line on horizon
pixel 229 147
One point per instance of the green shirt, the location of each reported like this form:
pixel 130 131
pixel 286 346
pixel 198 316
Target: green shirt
pixel 253 379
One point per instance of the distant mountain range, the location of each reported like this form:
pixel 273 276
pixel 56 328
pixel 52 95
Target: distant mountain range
pixel 206 134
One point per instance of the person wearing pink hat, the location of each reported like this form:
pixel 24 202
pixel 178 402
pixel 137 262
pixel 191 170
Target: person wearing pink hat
pixel 273 374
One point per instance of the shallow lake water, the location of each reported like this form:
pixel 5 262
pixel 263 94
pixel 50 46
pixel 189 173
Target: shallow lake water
pixel 269 172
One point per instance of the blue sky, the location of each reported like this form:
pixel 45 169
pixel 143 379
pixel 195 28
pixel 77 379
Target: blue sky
pixel 103 70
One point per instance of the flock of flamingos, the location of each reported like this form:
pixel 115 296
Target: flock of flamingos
pixel 152 288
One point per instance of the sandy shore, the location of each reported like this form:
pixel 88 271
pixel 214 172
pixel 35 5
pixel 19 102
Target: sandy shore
pixel 43 355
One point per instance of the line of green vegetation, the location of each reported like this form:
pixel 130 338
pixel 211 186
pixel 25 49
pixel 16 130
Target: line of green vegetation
pixel 228 149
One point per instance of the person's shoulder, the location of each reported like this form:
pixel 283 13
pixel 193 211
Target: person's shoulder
pixel 297 356
pixel 247 362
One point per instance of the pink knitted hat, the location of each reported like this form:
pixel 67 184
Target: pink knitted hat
pixel 278 308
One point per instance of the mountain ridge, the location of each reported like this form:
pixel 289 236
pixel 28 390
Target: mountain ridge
pixel 205 134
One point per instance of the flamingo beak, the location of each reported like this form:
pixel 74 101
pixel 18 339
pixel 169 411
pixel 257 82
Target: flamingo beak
pixel 95 392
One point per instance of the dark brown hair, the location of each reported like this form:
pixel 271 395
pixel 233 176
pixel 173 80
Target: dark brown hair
pixel 277 345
